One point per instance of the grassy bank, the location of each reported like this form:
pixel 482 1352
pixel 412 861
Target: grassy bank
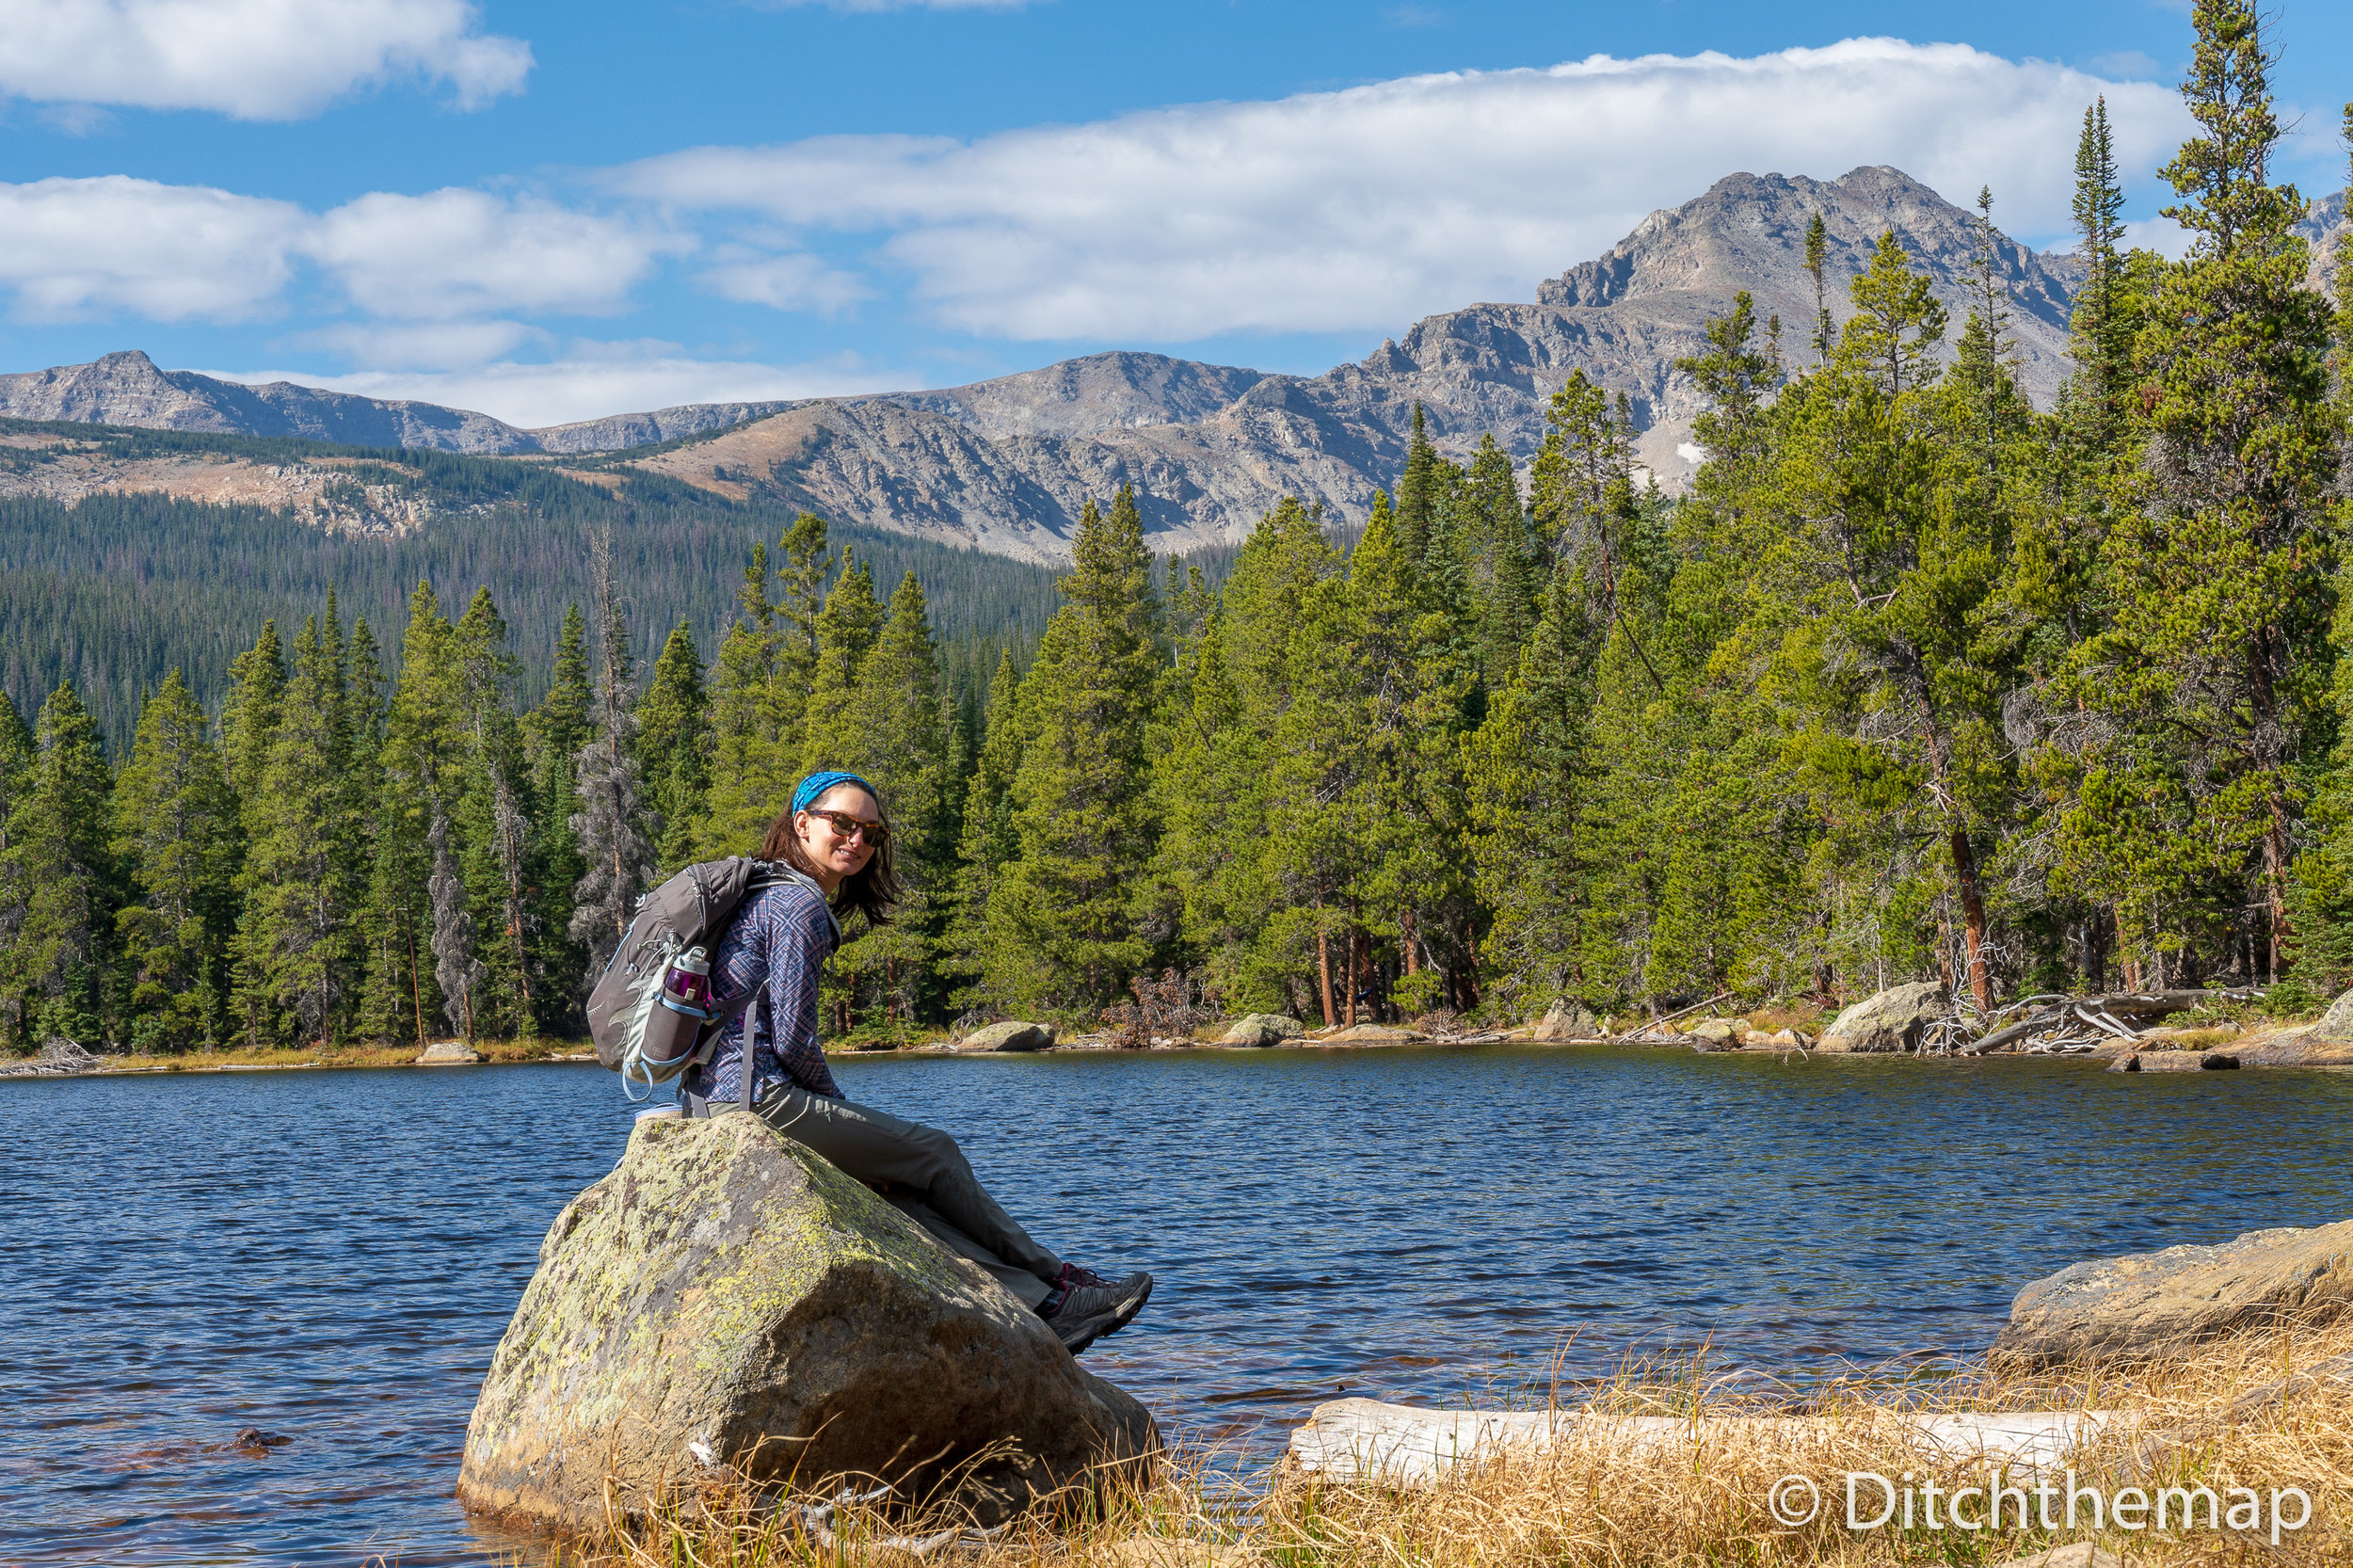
pixel 2263 1413
pixel 333 1056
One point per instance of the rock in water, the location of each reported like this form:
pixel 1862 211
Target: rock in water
pixel 1891 1021
pixel 448 1053
pixel 1263 1029
pixel 1566 1021
pixel 726 1290
pixel 2142 1301
pixel 1012 1034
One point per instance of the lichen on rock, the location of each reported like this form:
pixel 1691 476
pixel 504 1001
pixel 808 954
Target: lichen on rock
pixel 726 1292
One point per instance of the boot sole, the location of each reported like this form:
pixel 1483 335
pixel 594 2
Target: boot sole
pixel 1119 1317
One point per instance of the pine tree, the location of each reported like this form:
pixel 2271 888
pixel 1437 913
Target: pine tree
pixel 2101 326
pixel 2222 553
pixel 424 773
pixel 847 628
pixel 248 721
pixel 1419 492
pixel 18 752
pixel 296 960
pixel 988 841
pixel 175 833
pixel 59 871
pixel 1061 924
pixel 1817 257
pixel 617 856
pixel 896 737
pixel 673 745
pixel 494 824
pixel 556 736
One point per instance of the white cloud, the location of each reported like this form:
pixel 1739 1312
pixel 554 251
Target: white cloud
pixel 84 248
pixel 595 379
pixel 254 59
pixel 1364 208
pixel 419 345
pixel 455 253
pixel 794 282
pixel 873 5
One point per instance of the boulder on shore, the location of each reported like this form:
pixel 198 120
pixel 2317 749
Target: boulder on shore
pixel 2144 1302
pixel 1566 1021
pixel 725 1297
pixel 1263 1029
pixel 448 1053
pixel 1012 1034
pixel 1892 1020
pixel 2336 1025
pixel 1374 1034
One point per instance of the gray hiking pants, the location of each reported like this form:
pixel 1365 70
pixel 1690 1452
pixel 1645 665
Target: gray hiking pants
pixel 927 1177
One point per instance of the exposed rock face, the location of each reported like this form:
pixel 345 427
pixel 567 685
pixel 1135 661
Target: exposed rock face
pixel 1007 464
pixel 2115 1306
pixel 1892 1020
pixel 726 1296
pixel 1263 1029
pixel 1566 1021
pixel 127 389
pixel 2336 1025
pixel 1012 1034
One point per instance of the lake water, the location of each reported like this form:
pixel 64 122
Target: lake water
pixel 333 1256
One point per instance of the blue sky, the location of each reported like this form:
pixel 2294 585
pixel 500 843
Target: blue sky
pixel 550 211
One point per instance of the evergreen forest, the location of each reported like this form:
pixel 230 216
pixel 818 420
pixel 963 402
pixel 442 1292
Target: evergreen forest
pixel 1917 680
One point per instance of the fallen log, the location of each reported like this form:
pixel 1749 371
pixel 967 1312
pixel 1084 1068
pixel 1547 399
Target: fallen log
pixel 1366 1441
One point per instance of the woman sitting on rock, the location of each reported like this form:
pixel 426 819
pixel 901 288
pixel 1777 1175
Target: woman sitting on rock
pixel 836 837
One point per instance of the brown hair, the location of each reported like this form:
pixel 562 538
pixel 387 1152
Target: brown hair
pixel 871 891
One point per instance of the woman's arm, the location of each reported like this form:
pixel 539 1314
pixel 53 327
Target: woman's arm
pixel 800 940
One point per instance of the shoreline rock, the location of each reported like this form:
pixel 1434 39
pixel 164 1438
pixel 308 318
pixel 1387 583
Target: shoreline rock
pixel 1263 1029
pixel 2143 1302
pixel 1891 1021
pixel 1012 1034
pixel 725 1297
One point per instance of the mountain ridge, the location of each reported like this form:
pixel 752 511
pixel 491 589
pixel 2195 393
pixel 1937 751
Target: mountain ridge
pixel 1005 464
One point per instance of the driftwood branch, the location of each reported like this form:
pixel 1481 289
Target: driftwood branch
pixel 2120 1016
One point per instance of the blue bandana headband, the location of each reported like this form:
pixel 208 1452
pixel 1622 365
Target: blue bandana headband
pixel 813 787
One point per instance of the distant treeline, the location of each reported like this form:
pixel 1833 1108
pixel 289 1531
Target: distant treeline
pixel 117 590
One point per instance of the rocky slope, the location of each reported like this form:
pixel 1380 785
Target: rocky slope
pixel 1006 464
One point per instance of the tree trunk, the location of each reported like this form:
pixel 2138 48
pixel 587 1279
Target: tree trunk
pixel 1323 970
pixel 2276 884
pixel 1972 917
pixel 1355 982
pixel 1405 940
pixel 416 981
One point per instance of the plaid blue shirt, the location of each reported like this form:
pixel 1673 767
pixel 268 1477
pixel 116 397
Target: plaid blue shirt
pixel 782 935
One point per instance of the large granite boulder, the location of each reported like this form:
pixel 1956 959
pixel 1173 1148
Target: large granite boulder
pixel 2336 1025
pixel 1263 1029
pixel 1566 1021
pixel 1012 1034
pixel 2143 1301
pixel 725 1297
pixel 1892 1020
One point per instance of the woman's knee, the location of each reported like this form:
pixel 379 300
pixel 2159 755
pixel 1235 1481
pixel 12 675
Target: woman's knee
pixel 940 1149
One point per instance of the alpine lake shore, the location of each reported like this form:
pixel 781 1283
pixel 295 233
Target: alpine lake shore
pixel 2175 1030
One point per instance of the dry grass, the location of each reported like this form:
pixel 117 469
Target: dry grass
pixel 2236 1415
pixel 335 1056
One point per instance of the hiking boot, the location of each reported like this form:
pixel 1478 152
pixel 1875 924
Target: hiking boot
pixel 1085 1313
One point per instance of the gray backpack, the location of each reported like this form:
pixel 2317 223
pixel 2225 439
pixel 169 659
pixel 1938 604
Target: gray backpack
pixel 649 1019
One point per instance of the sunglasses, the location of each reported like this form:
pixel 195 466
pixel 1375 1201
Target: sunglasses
pixel 846 826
